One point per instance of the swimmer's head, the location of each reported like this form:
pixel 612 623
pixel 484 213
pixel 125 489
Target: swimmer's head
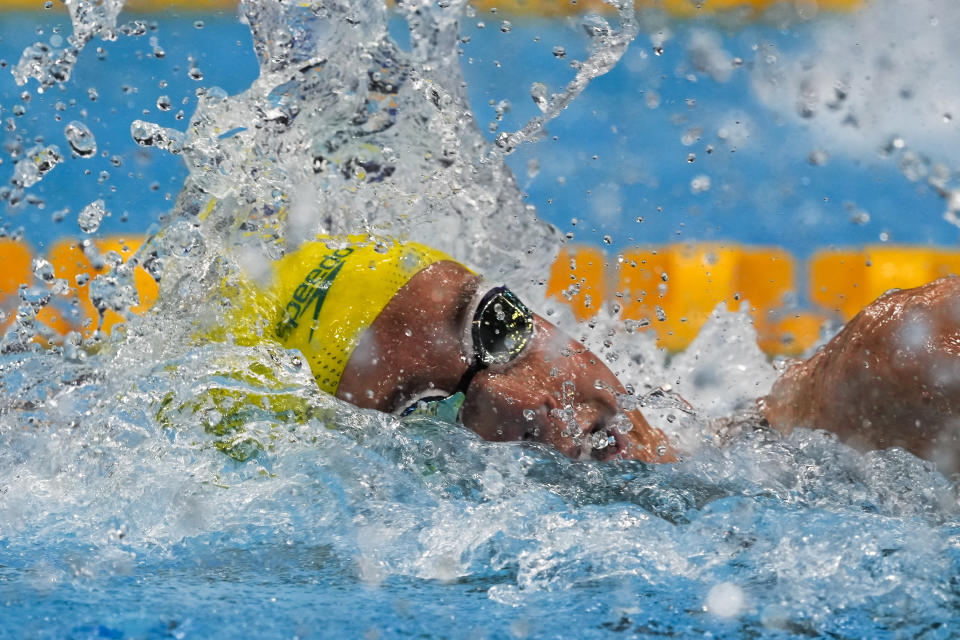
pixel 448 332
pixel 329 292
pixel 385 324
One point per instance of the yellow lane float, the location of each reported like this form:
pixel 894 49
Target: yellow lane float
pixel 674 288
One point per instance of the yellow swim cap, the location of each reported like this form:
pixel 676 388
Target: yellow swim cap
pixel 329 291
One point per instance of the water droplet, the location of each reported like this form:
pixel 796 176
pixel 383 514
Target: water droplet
pixel 36 163
pixel 538 91
pixel 818 158
pixel 595 26
pixel 528 415
pixel 505 26
pixel 661 314
pixel 91 216
pixel 43 270
pixel 860 217
pixel 60 287
pixel 559 52
pixel 81 139
pixel 195 74
pixel 164 103
pixel 700 184
pixel 148 134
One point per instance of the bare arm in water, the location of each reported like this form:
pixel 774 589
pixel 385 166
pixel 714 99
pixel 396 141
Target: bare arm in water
pixel 890 378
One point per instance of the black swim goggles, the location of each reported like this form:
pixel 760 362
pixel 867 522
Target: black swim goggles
pixel 501 329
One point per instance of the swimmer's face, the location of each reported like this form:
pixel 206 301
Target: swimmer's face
pixel 554 391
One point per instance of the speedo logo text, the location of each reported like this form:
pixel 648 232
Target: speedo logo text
pixel 311 293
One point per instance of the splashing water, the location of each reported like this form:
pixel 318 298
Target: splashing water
pixel 153 484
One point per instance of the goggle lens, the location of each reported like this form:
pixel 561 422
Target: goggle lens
pixel 502 327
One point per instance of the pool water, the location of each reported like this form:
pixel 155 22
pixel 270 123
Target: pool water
pixel 122 516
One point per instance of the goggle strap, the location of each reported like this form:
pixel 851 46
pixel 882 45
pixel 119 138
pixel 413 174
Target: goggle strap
pixel 475 367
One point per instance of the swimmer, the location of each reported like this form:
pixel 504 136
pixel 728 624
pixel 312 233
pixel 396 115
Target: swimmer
pixel 400 327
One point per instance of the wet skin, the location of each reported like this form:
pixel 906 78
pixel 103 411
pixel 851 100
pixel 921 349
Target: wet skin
pixel 550 393
pixel 890 378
